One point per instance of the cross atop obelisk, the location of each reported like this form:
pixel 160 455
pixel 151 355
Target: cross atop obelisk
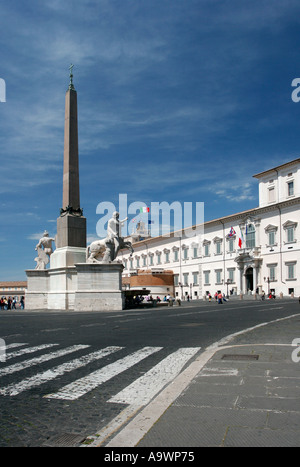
pixel 71 85
pixel 71 225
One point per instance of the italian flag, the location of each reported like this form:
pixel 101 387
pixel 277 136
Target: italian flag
pixel 144 210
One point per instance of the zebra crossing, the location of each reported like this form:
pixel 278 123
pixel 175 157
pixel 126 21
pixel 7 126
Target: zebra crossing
pixel 138 392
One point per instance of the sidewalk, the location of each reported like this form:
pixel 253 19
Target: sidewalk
pixel 246 394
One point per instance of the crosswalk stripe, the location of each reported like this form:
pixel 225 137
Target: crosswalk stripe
pixel 40 378
pixel 83 385
pixel 18 353
pixel 42 358
pixel 142 390
pixel 16 344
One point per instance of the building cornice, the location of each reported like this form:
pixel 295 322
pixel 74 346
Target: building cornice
pixel 232 218
pixel 279 167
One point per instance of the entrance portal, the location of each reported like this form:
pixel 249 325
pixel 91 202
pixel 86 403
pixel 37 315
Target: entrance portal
pixel 249 279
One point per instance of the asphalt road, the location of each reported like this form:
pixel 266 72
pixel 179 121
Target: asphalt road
pixel 49 388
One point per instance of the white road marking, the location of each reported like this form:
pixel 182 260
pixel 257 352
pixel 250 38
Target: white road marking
pixel 16 344
pixel 40 378
pixel 88 383
pixel 21 352
pixel 142 390
pixel 42 358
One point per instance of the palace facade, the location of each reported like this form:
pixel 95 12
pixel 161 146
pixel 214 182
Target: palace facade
pixel 249 252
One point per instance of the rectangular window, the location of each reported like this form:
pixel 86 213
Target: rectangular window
pixel 271 195
pixel 231 245
pixel 151 260
pixel 195 250
pixel 176 279
pixel 195 278
pixel 138 262
pixel 218 248
pixel 167 257
pixel 131 263
pixel 206 277
pixel 290 188
pixel 159 258
pixel 231 275
pixel 175 255
pixel 185 253
pixel 290 234
pixel 144 261
pixel 271 238
pixel 250 236
pixel 272 273
pixel 206 250
pixel 218 276
pixel 185 279
pixel 291 271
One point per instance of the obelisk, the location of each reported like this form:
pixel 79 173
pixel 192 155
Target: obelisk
pixel 71 225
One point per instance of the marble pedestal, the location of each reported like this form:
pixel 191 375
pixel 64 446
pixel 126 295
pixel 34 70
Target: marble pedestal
pixel 72 285
pixel 99 287
pixel 36 296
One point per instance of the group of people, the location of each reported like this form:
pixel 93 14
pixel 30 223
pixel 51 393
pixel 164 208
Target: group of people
pixel 11 303
pixel 218 296
pixel 271 295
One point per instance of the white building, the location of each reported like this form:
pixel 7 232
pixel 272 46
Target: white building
pixel 267 260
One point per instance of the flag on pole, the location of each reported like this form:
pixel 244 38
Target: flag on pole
pixel 241 239
pixel 232 232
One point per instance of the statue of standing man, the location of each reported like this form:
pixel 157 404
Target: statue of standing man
pixel 44 249
pixel 114 227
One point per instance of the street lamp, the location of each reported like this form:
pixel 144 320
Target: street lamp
pixel 229 281
pixel 181 287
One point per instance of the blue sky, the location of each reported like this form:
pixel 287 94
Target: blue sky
pixel 178 100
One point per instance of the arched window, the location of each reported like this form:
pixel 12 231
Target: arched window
pixel 250 236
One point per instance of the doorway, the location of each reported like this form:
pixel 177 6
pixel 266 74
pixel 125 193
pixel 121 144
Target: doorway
pixel 249 279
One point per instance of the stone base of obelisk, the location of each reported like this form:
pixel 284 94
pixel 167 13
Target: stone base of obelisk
pixel 99 287
pixel 79 286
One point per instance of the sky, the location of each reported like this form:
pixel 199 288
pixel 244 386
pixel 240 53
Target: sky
pixel 178 100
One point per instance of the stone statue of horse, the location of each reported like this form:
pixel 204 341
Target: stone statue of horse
pixel 104 250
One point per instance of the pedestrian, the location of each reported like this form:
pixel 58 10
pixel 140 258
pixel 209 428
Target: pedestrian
pixel 14 302
pixel 22 303
pixel 209 297
pixel 220 298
